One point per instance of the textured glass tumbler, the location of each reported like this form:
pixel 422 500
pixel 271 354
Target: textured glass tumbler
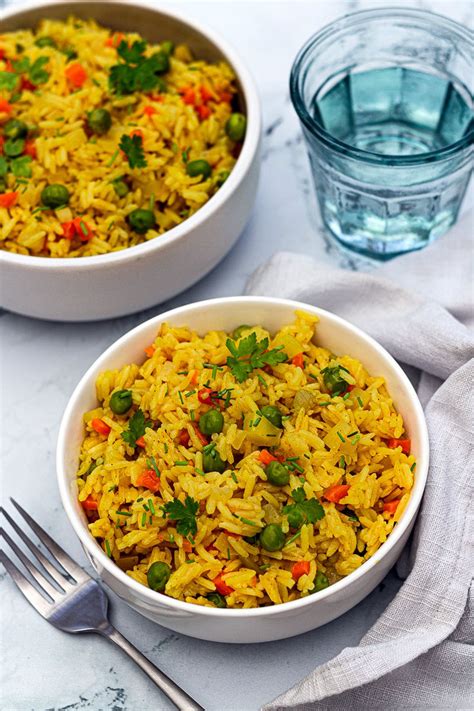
pixel 385 102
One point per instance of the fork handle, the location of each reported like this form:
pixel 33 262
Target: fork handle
pixel 180 698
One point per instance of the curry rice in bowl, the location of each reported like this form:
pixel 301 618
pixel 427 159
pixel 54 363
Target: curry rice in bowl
pixel 125 133
pixel 243 485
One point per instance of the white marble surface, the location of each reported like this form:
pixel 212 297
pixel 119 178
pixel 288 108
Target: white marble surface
pixel 44 669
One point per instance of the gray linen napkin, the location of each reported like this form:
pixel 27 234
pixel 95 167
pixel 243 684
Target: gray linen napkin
pixel 419 654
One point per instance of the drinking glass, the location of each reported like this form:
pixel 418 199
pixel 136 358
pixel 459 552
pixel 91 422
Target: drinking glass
pixel 384 98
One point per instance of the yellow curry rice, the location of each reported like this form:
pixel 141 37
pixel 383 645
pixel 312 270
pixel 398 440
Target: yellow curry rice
pixel 173 106
pixel 184 503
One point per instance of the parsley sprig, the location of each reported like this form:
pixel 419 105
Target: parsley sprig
pixel 137 425
pixel 137 72
pixel 303 510
pixel 183 514
pixel 132 146
pixel 248 354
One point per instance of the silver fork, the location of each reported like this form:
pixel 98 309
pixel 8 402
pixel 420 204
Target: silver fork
pixel 76 603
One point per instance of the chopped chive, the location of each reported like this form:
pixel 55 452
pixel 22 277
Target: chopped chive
pixel 190 392
pixel 250 424
pixel 192 414
pixel 234 477
pixel 181 397
pixel 359 400
pixel 302 479
pixel 146 507
pixel 346 396
pixel 324 404
pixel 112 160
pixel 292 459
pixel 151 462
pixel 166 448
pixel 140 498
pixel 152 508
pixel 413 467
pixel 200 471
pixel 340 437
pixel 307 456
pixel 83 227
pixel 143 518
pixel 183 372
pixel 356 439
pixel 342 462
pixel 214 372
pixel 114 487
pixel 257 422
pixel 181 464
pixel 293 538
pixel 107 548
pixel 151 520
pixel 311 375
pixel 228 553
pixel 209 447
pixel 262 380
pixel 353 433
pixel 298 467
pixel 171 538
pixel 211 366
pixel 264 567
pixel 249 523
pixel 123 513
pixel 190 560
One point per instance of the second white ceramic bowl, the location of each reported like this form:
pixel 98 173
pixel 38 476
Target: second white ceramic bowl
pixel 109 285
pixel 277 621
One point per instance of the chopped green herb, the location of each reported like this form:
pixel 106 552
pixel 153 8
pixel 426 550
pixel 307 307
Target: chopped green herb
pixel 232 474
pixel 351 434
pixel 151 462
pixel 181 464
pixel 248 354
pixel 112 160
pixel 342 462
pixel 249 523
pixel 136 428
pixel 340 437
pixel 303 510
pixel 183 514
pixel 132 146
pixel 123 513
pixel 143 518
pixel 346 396
pixel 190 560
pixel 264 567
pixel 200 471
pixel 107 548
pixel 228 553
pixel 324 404
pixel 151 507
pixel 192 415
pixel 190 392
pixel 359 400
pixel 137 72
pixel 293 538
pixel 180 395
pixel 413 467
pixel 262 380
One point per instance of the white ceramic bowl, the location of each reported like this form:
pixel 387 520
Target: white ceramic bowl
pixel 105 286
pixel 278 621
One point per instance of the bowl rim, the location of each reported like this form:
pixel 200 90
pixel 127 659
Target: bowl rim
pixel 92 547
pixel 246 157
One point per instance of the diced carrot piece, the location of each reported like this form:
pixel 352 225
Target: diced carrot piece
pixel 76 74
pixel 149 350
pixel 391 506
pixel 221 586
pixel 297 360
pixel 100 427
pixel 149 480
pixel 189 96
pixel 83 229
pixel 89 504
pixel 69 229
pixel 183 438
pixel 114 40
pixel 137 132
pixel 149 110
pixel 225 96
pixel 8 199
pixel 30 149
pixel 194 379
pixel 187 546
pixel 336 493
pixel 300 568
pixel 265 457
pixel 203 111
pixel 405 444
pixel 204 396
pixel 5 107
pixel 141 442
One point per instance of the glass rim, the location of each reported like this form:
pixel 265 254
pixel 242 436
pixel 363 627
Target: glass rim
pixel 345 148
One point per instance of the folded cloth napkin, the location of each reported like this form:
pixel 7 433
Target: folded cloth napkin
pixel 419 654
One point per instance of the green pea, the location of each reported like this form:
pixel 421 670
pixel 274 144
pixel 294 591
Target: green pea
pixel 320 582
pixel 198 167
pixel 167 47
pixel 273 414
pixel 295 518
pixel 45 42
pixel 55 195
pixel 236 127
pixel 334 381
pixel 239 331
pixel 15 129
pixel 121 188
pixel 141 220
pixel 158 575
pixel 121 401
pixel 216 599
pixel 211 421
pixel 99 121
pixel 212 462
pixel 272 537
pixel 277 474
pixel 14 147
pixel 222 177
